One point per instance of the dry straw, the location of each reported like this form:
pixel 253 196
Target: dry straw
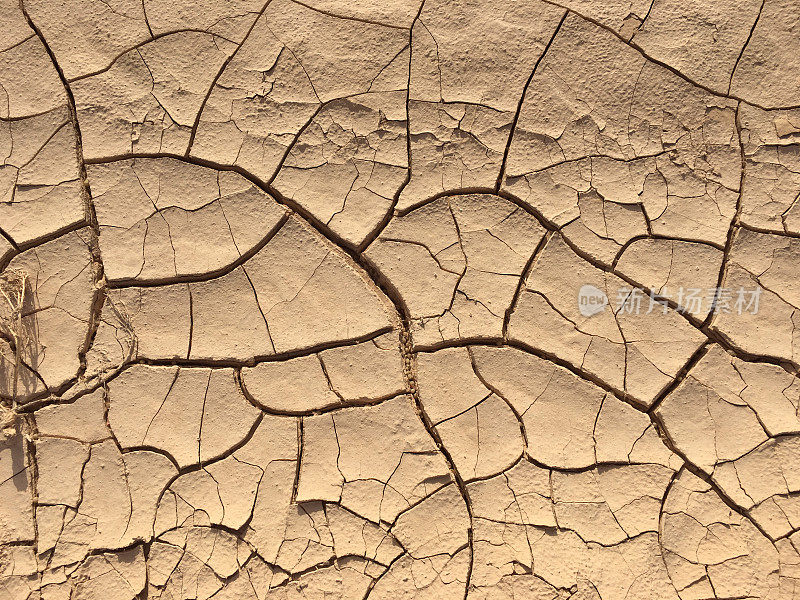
pixel 13 286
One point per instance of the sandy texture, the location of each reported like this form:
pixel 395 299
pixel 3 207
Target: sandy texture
pixel 400 300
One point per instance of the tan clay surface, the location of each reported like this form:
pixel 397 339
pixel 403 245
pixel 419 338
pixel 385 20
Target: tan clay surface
pixel 400 300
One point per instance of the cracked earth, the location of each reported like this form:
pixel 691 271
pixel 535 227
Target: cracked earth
pixel 290 300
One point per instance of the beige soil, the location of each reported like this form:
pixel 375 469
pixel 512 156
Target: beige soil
pixel 297 300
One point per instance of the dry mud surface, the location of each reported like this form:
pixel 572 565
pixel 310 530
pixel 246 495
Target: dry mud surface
pixel 453 299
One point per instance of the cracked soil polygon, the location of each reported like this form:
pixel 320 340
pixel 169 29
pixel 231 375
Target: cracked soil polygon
pixel 405 300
